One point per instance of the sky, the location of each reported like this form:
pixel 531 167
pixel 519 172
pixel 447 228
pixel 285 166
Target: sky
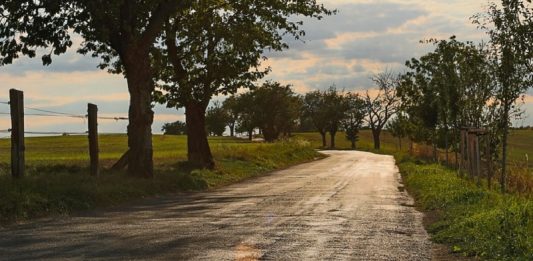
pixel 365 37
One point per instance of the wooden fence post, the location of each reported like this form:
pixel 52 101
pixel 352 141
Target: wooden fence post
pixel 477 159
pixel 462 148
pixel 488 153
pixel 92 111
pixel 16 103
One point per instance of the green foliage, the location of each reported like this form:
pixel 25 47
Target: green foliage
pixel 474 220
pixel 276 108
pixel 326 110
pixel 315 108
pixel 354 117
pixel 272 107
pixel 216 47
pixel 216 119
pixel 175 128
pixel 51 189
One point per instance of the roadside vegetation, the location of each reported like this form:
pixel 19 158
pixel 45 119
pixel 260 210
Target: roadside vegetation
pixel 58 181
pixel 473 220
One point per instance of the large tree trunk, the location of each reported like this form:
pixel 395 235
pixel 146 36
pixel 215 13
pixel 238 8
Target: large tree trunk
pixel 198 151
pixel 141 116
pixel 332 139
pixel 376 133
pixel 324 141
pixel 270 134
pixel 353 144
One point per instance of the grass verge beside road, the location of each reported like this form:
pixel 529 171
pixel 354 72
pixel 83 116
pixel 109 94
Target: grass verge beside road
pixel 472 220
pixel 53 188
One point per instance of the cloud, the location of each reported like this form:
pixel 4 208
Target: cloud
pixel 365 37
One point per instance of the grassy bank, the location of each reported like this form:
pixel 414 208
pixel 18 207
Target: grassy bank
pixel 58 182
pixel 472 220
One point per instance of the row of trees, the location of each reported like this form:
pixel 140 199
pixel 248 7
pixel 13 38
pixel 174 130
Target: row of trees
pixel 462 84
pixel 275 110
pixel 184 52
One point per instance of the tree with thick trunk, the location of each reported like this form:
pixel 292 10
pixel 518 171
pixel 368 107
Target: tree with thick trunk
pixel 199 152
pixel 216 47
pixel 121 33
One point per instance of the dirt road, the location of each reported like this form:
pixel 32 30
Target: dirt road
pixel 346 207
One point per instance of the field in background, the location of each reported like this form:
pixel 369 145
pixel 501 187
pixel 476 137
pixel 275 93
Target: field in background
pixel 520 144
pixel 388 143
pixel 74 150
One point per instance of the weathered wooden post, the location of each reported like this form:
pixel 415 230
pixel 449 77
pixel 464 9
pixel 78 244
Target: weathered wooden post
pixel 462 147
pixel 16 103
pixel 92 111
pixel 488 155
pixel 477 159
pixel 474 135
pixel 471 154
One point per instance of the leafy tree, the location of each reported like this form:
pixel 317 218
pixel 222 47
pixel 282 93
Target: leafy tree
pixel 216 119
pixel 217 47
pixel 448 88
pixel 335 109
pixel 230 106
pixel 314 108
pixel 511 35
pixel 383 104
pixel 276 109
pixel 174 128
pixel 121 33
pixel 354 117
pixel 246 114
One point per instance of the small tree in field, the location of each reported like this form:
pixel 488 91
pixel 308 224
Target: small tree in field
pixel 230 107
pixel 335 109
pixel 174 128
pixel 276 109
pixel 381 106
pixel 216 119
pixel 314 108
pixel 244 107
pixel 354 117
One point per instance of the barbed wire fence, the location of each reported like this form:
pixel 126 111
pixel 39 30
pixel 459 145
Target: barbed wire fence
pixel 17 132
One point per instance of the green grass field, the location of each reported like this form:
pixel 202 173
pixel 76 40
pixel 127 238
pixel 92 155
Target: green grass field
pixel 388 143
pixel 58 181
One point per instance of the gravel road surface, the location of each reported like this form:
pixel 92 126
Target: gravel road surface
pixel 349 206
